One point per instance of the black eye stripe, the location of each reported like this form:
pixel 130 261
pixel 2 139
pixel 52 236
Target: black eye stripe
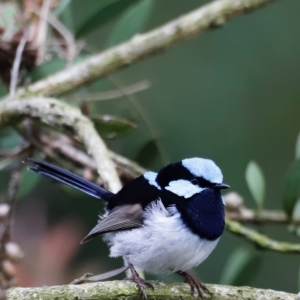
pixel 202 182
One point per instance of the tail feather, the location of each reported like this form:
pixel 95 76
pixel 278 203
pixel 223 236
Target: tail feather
pixel 69 178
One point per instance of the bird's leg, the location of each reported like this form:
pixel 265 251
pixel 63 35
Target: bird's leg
pixel 140 282
pixel 200 287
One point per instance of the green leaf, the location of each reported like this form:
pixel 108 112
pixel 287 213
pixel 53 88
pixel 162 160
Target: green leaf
pixel 63 4
pixel 9 138
pixel 148 154
pixel 297 150
pixel 8 14
pixel 299 279
pixel 131 22
pixel 29 181
pixel 291 191
pixel 111 127
pixel 103 15
pixel 5 162
pixel 256 183
pixel 47 68
pixel 241 267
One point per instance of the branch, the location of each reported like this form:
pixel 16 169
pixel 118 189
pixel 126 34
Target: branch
pixel 108 95
pixel 260 240
pixel 128 290
pixel 60 115
pixel 237 211
pixel 14 76
pixel 140 46
pixel 64 145
pixel 264 217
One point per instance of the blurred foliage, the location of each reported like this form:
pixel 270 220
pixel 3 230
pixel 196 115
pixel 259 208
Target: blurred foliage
pixel 241 267
pixel 104 14
pixel 256 183
pixel 111 127
pixel 291 192
pixel 125 28
pixel 231 95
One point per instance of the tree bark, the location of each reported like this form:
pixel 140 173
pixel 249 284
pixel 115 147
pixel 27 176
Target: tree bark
pixel 127 290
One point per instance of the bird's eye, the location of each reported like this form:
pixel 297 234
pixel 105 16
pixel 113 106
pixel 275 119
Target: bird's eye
pixel 194 181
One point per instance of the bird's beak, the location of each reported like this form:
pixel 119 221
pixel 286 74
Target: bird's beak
pixel 221 186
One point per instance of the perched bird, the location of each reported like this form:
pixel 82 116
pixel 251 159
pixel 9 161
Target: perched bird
pixel 165 222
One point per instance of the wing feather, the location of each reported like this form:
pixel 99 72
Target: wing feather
pixel 120 218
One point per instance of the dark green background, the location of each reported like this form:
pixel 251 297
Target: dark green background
pixel 231 94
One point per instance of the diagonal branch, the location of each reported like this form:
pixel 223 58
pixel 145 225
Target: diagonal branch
pixel 14 77
pixel 57 114
pixel 211 15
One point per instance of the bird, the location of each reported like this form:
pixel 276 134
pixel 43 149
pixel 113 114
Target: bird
pixel 164 222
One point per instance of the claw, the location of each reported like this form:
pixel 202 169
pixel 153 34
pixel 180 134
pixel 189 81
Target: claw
pixel 140 282
pixel 200 287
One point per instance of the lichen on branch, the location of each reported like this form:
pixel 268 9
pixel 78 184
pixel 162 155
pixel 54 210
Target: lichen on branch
pixel 59 115
pixel 211 15
pixel 127 290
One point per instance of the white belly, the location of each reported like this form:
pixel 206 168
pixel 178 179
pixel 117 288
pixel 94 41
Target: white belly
pixel 162 245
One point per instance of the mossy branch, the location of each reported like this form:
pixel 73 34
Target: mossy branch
pixel 127 290
pixel 59 115
pixel 260 240
pixel 212 15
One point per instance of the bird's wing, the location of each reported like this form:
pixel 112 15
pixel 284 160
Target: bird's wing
pixel 120 218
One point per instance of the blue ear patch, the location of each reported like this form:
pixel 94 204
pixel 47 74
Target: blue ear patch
pixel 183 188
pixel 151 177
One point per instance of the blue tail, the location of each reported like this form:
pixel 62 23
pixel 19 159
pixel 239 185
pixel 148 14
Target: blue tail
pixel 69 178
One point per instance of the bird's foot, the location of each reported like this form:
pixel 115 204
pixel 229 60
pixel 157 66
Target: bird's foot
pixel 140 282
pixel 194 284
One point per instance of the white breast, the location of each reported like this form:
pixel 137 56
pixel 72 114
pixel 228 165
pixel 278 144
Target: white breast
pixel 163 245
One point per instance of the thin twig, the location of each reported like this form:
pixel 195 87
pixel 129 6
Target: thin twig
pixel 63 31
pixel 64 146
pixel 14 75
pixel 109 95
pixel 13 189
pixel 126 167
pixel 66 34
pixel 15 151
pixel 264 217
pixel 129 168
pixel 260 240
pixel 43 29
pixel 57 114
pixel 9 251
pixel 237 211
pixel 148 122
pixel 212 15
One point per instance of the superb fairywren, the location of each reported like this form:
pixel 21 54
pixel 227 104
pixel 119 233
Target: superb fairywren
pixel 162 222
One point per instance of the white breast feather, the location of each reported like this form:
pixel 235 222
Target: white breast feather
pixel 163 245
